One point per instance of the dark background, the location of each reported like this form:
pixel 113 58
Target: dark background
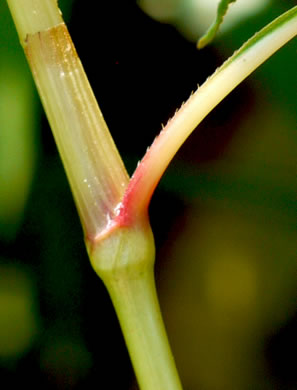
pixel 224 215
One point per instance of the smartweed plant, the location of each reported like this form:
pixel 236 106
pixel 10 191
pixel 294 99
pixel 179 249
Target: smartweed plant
pixel 113 208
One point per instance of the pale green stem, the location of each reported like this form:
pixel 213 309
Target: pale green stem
pixel 31 16
pixel 137 307
pixel 93 165
pixel 122 255
pixel 124 260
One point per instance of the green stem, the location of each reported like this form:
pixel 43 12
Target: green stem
pixel 124 260
pixel 93 165
pixel 120 245
pixel 136 304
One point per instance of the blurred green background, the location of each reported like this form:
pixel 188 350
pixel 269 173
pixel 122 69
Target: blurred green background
pixel 224 215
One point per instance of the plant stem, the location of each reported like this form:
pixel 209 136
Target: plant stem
pixel 119 239
pixel 243 62
pixel 93 165
pixel 137 307
pixel 31 16
pixel 121 248
pixel 124 260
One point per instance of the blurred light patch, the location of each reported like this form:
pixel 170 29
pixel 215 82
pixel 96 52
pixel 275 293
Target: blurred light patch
pixel 17 149
pixel 230 280
pixel 18 314
pixel 205 12
pixel 193 17
pixel 161 10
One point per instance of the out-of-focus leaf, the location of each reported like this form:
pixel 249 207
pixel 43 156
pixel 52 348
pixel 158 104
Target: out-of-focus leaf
pixel 18 314
pixel 17 149
pixel 17 128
